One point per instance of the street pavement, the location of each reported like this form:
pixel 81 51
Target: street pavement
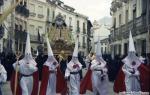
pixel 7 91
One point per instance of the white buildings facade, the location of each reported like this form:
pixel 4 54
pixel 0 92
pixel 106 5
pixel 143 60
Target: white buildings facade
pixel 101 32
pixel 37 22
pixel 129 15
pixel 6 26
pixel 43 14
pixel 35 17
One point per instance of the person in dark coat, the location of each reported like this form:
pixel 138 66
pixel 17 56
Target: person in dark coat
pixel 80 58
pixel 62 59
pixel 41 58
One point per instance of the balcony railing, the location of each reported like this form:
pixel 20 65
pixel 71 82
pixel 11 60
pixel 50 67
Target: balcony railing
pixel 137 26
pixel 40 15
pixel 22 10
pixel 20 35
pixel 36 39
pixel 70 28
pixel 125 1
pixel 32 14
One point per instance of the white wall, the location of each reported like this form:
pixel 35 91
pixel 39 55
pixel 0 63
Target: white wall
pixel 36 22
pixel 129 7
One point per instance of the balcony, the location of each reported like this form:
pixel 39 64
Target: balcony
pixel 26 13
pixel 32 14
pixel 113 7
pixel 40 16
pixel 18 9
pixel 78 30
pixel 36 39
pixel 84 31
pixel 22 10
pixel 70 28
pixel 124 1
pixel 20 35
pixel 84 45
pixel 137 26
pixel 118 4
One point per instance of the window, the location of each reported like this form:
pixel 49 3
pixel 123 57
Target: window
pixel 78 23
pixel 134 14
pixel 102 49
pixel 40 10
pixel 31 28
pixel 120 20
pixel 114 23
pixel 119 48
pixel 0 48
pixel 125 48
pixel 83 40
pixel 79 44
pixel 143 47
pixel 48 14
pixel 84 31
pixel 70 21
pixel 32 8
pixel 127 16
pixel 53 15
pixel 40 29
pixel 64 17
pixel 78 28
pixel 144 6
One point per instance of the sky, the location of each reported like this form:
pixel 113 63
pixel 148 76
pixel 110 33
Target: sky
pixel 94 9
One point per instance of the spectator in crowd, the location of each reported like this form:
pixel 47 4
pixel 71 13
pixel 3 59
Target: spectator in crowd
pixel 62 59
pixel 80 58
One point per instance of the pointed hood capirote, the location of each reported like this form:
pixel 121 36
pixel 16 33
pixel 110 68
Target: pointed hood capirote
pixel 99 53
pixel 98 48
pixel 37 53
pixel 51 57
pixel 28 55
pixel 28 46
pixel 131 43
pixel 75 52
pixel 49 49
pixel 131 54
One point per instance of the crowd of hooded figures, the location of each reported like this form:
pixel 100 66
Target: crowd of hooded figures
pixel 63 75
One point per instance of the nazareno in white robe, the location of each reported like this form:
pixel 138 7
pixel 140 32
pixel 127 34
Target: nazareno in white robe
pixel 26 68
pixel 3 76
pixel 100 87
pixel 51 87
pixel 74 80
pixel 132 81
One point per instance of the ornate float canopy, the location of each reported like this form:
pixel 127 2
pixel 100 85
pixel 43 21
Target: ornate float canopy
pixel 60 36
